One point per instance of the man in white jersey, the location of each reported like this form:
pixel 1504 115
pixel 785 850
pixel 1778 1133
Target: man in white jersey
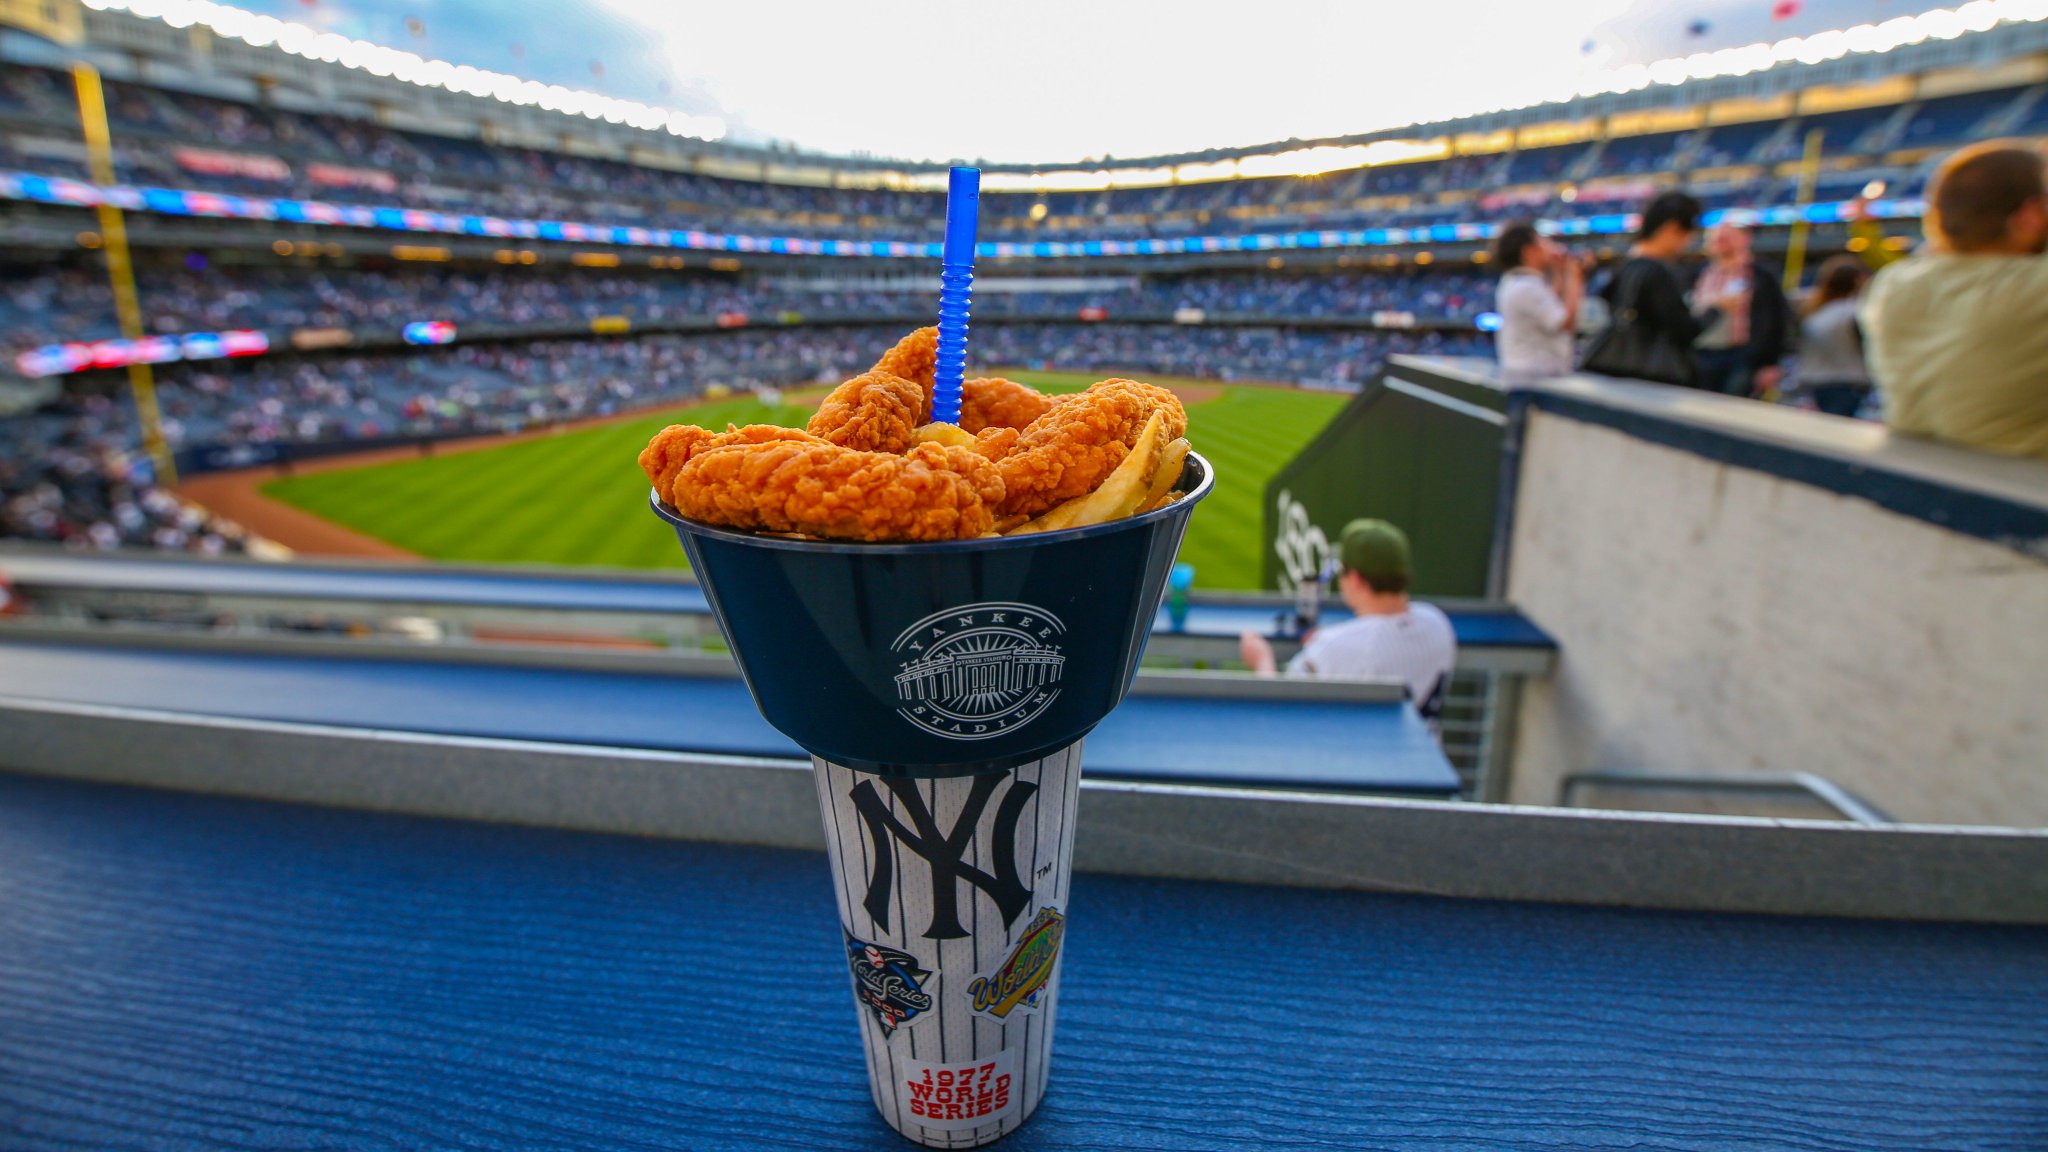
pixel 1390 638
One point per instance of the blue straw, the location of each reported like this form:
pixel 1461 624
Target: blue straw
pixel 956 285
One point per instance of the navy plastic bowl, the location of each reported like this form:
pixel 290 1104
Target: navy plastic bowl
pixel 941 659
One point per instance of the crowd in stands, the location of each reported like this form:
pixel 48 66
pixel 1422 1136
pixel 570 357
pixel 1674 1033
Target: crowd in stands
pixel 1947 343
pixel 73 472
pixel 510 386
pixel 484 388
pixel 71 475
pixel 270 151
pixel 1309 357
pixel 1731 329
pixel 55 305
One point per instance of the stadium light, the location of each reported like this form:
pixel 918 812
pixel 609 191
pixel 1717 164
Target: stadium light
pixel 1937 24
pixel 360 55
pixel 300 40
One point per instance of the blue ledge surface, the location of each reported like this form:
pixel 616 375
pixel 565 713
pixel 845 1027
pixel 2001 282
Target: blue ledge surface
pixel 182 972
pixel 1345 747
pixel 1476 628
pixel 398 583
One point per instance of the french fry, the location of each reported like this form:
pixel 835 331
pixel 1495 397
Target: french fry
pixel 950 435
pixel 1170 461
pixel 1119 494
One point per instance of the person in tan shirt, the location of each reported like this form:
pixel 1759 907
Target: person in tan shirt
pixel 1958 333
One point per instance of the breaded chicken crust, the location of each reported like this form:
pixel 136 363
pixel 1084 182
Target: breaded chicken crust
pixel 1079 441
pixel 876 411
pixel 985 402
pixel 993 402
pixel 995 443
pixel 933 492
pixel 916 359
pixel 861 471
pixel 673 446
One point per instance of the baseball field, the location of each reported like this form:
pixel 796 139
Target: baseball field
pixel 577 497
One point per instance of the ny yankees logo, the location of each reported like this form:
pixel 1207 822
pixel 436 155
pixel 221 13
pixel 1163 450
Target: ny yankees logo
pixel 944 853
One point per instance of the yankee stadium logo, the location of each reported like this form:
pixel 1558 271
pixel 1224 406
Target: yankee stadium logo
pixel 980 670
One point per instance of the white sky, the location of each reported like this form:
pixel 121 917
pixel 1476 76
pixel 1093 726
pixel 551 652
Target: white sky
pixel 1062 79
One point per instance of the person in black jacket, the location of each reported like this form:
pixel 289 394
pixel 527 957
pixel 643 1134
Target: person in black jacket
pixel 1645 296
pixel 1740 351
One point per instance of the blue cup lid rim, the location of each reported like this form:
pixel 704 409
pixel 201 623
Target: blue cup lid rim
pixel 978 544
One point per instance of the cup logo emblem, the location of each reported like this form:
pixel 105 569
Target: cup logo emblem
pixel 980 670
pixel 889 981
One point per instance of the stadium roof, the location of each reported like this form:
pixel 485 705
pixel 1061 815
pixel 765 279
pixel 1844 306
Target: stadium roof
pixel 227 51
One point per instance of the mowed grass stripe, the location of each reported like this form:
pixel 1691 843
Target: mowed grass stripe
pixel 446 521
pixel 428 514
pixel 526 494
pixel 577 498
pixel 441 506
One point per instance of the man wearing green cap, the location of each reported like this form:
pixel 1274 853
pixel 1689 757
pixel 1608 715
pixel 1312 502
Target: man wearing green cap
pixel 1389 638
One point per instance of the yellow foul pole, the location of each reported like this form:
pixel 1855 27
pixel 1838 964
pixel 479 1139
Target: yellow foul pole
pixel 92 114
pixel 1809 175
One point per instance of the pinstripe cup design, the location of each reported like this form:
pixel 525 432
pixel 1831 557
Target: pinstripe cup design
pixel 968 875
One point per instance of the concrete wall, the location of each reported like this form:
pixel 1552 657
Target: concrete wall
pixel 1718 619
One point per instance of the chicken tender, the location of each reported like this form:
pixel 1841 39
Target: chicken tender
pixel 873 412
pixel 673 446
pixel 995 443
pixel 933 492
pixel 916 359
pixel 993 402
pixel 873 467
pixel 1079 441
pixel 985 402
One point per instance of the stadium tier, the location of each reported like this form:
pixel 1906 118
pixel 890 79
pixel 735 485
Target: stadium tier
pixel 512 385
pixel 72 472
pixel 272 153
pixel 273 163
pixel 46 308
pixel 326 270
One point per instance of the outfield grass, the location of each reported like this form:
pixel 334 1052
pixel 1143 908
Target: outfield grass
pixel 579 498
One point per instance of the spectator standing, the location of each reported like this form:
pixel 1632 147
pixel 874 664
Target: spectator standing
pixel 1650 331
pixel 1538 301
pixel 1959 332
pixel 1831 367
pixel 1389 636
pixel 1740 350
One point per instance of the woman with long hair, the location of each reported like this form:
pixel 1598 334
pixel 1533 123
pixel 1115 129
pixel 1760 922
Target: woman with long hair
pixel 1831 367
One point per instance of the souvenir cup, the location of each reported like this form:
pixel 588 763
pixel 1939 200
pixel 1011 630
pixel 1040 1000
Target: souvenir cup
pixel 943 691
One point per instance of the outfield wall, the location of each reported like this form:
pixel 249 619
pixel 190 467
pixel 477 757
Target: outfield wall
pixel 1738 588
pixel 1419 446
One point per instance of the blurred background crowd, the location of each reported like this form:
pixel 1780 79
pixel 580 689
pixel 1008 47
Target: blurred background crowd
pixel 373 330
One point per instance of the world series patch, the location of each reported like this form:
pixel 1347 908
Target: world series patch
pixel 889 982
pixel 1020 978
